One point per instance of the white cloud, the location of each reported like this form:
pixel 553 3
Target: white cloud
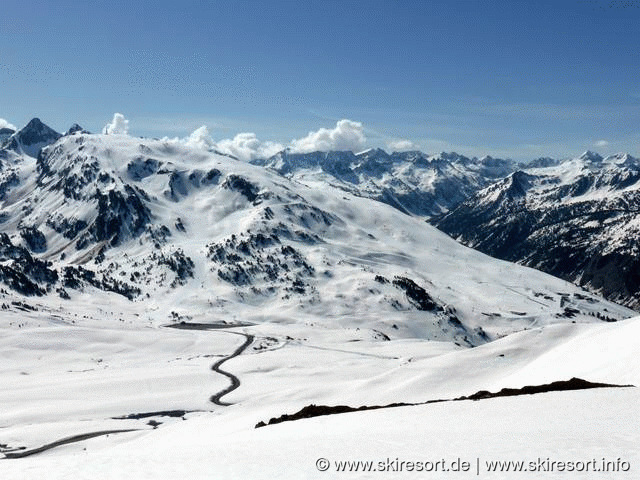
pixel 5 124
pixel 246 146
pixel 199 138
pixel 601 143
pixel 347 135
pixel 401 145
pixel 118 126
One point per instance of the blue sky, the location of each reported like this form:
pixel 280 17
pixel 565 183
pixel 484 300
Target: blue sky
pixel 518 79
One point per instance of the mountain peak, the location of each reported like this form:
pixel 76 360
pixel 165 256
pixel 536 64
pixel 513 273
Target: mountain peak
pixel 35 122
pixel 75 128
pixel 518 183
pixel 31 138
pixel 591 156
pixel 541 162
pixel 621 157
pixel 373 153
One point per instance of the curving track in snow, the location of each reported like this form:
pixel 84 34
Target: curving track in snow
pixel 65 441
pixel 235 381
pixel 216 399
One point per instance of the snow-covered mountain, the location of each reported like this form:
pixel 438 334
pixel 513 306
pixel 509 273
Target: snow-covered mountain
pixel 578 219
pixel 308 293
pixel 412 182
pixel 5 133
pixel 159 223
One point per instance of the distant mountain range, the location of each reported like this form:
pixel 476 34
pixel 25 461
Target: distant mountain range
pixel 160 225
pixel 412 182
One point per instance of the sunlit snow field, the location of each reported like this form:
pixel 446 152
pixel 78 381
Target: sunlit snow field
pixel 60 381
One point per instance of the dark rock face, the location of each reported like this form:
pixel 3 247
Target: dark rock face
pixel 140 168
pixel 557 386
pixel 69 228
pixel 180 264
pixel 311 411
pixel 261 258
pixel 211 177
pixel 241 185
pixel 566 228
pixel 77 277
pixel 23 273
pixel 5 133
pixel 34 239
pixel 75 128
pixel 446 317
pixel 7 182
pixel 19 282
pixel 416 294
pixel 180 226
pixel 121 215
pixel 73 178
pixel 32 138
pixel 177 186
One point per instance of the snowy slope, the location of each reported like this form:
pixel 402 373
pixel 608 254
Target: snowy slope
pixel 222 442
pixel 577 220
pixel 193 233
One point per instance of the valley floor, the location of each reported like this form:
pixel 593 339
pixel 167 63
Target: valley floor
pixel 60 381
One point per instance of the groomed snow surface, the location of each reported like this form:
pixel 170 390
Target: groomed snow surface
pixel 61 380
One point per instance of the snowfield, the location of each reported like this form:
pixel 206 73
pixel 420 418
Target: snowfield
pixel 221 442
pixel 141 279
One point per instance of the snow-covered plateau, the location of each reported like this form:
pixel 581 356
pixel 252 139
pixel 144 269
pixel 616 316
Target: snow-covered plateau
pixel 159 301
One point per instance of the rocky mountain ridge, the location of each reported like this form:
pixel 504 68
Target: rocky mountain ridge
pixel 164 226
pixel 577 219
pixel 412 182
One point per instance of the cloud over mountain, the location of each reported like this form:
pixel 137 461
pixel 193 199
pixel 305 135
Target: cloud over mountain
pixel 347 135
pixel 118 126
pixel 247 146
pixel 401 145
pixel 5 124
pixel 199 138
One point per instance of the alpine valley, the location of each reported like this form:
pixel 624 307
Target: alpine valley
pixel 160 300
pixel 577 219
